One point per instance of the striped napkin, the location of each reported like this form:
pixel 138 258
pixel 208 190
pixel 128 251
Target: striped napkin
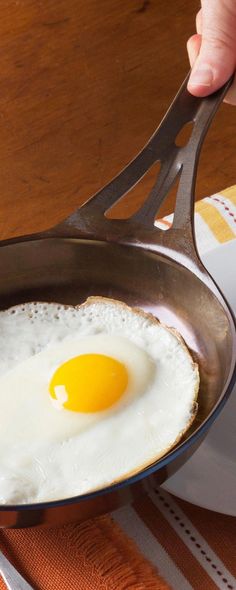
pixel 215 220
pixel 158 543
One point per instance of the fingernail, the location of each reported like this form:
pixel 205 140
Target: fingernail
pixel 201 76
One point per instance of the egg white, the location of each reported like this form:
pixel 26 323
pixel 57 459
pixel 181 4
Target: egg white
pixel 36 416
pixel 47 453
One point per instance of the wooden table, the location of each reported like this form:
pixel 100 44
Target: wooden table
pixel 83 85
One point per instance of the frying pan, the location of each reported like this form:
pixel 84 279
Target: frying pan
pixel 134 261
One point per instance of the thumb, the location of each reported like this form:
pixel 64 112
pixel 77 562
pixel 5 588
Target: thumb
pixel 216 60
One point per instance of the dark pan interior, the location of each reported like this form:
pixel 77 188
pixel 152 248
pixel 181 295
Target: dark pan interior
pixel 70 270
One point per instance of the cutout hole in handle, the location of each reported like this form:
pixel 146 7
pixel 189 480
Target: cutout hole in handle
pixel 134 199
pixel 184 135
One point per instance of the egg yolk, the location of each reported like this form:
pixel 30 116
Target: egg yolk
pixel 90 383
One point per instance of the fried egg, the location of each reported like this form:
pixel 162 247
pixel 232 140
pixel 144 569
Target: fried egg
pixel 88 395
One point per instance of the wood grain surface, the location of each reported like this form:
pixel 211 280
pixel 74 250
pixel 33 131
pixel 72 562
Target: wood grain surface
pixel 83 84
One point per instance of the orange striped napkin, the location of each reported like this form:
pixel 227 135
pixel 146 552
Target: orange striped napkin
pixel 159 543
pixel 215 220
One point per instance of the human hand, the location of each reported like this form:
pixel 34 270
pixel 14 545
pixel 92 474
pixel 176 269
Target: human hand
pixel 212 50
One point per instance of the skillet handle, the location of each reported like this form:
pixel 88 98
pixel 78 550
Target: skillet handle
pixel 90 221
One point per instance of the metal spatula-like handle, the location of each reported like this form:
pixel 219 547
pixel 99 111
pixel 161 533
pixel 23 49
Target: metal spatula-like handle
pixel 176 162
